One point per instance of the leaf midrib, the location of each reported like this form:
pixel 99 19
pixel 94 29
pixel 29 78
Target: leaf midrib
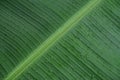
pixel 41 49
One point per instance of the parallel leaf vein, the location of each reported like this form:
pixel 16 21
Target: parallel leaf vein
pixel 40 50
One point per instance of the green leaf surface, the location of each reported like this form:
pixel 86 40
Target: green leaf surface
pixel 59 40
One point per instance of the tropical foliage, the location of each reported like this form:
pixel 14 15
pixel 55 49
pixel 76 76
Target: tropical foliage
pixel 59 40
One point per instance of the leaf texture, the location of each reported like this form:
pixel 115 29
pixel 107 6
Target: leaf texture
pixel 59 40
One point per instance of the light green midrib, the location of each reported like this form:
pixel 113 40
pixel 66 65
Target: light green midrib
pixel 37 53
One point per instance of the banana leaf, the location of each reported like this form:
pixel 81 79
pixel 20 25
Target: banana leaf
pixel 59 39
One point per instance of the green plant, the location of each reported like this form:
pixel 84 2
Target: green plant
pixel 59 40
